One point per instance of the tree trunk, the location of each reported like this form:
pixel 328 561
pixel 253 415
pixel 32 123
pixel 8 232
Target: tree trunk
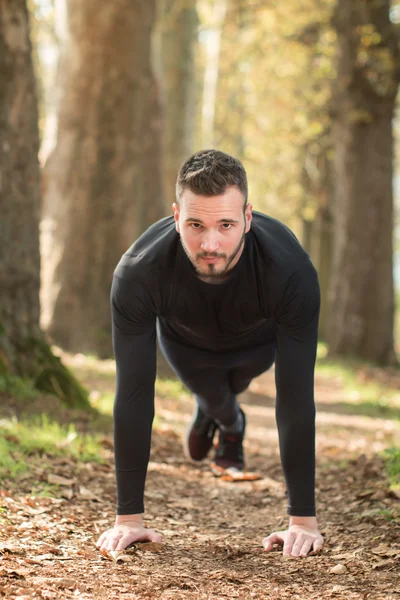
pixel 103 179
pixel 321 253
pixel 211 72
pixel 362 304
pixel 23 350
pixel 174 57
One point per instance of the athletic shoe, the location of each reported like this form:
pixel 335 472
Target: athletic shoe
pixel 229 452
pixel 199 436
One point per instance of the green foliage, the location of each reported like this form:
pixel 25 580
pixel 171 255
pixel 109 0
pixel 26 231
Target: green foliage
pixel 392 458
pixel 277 64
pixel 18 387
pixel 41 436
pixel 54 378
pixel 28 364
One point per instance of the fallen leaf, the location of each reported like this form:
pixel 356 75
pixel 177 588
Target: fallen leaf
pixel 50 549
pixel 36 511
pixel 68 493
pixel 384 550
pixel 58 480
pixel 32 561
pixel 338 569
pixel 379 495
pixel 345 556
pixel 383 563
pixel 12 574
pixel 60 582
pixel 88 494
pixel 10 548
pixel 52 557
pixel 150 546
pixel 365 494
pixel 119 556
pixel 337 589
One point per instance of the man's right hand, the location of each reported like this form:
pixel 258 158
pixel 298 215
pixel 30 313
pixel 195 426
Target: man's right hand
pixel 124 533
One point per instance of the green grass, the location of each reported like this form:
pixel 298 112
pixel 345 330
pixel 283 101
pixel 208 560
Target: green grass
pixel 163 388
pixel 17 387
pixel 370 398
pixel 21 441
pixel 392 458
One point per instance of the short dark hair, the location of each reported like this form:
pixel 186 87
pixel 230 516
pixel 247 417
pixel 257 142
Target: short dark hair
pixel 210 173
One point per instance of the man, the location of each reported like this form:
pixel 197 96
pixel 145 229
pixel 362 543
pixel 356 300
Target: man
pixel 228 292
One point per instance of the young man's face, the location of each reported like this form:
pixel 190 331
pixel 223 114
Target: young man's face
pixel 212 230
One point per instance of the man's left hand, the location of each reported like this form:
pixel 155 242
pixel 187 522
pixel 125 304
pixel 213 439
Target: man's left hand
pixel 299 539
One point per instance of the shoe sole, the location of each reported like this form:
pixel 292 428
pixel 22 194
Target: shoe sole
pixel 185 442
pixel 234 474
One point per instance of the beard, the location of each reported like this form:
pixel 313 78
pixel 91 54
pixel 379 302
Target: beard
pixel 209 271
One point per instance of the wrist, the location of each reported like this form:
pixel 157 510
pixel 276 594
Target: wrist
pixel 304 521
pixel 137 518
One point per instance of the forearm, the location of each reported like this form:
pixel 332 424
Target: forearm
pixel 297 445
pixel 132 434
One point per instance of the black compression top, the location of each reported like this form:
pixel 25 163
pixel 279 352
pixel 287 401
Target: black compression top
pixel 272 293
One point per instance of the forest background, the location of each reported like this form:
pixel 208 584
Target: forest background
pixel 100 103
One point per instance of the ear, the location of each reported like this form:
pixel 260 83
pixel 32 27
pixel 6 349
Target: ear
pixel 175 208
pixel 248 217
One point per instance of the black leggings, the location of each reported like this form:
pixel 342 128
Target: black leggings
pixel 215 378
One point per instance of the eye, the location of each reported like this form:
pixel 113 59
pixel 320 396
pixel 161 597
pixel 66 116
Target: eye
pixel 226 225
pixel 195 225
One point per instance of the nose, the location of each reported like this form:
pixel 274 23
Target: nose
pixel 209 242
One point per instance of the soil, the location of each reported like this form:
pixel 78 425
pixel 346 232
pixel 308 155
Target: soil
pixel 212 529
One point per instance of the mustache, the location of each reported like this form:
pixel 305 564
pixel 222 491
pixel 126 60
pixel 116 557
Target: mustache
pixel 210 255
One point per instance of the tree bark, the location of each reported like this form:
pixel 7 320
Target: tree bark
pixel 103 179
pixel 321 253
pixel 23 349
pixel 362 304
pixel 174 57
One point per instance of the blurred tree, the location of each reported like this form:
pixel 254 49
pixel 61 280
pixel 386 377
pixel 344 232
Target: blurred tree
pixel 175 40
pixel 362 303
pixel 273 98
pixel 317 213
pixel 213 13
pixel 103 183
pixel 23 349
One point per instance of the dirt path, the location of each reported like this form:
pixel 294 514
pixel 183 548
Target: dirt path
pixel 212 529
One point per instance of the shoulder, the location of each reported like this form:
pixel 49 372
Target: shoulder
pixel 150 254
pixel 276 243
pixel 286 266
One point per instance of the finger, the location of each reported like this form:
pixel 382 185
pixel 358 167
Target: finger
pixel 298 543
pixel 288 545
pixel 112 543
pixel 306 547
pixel 274 538
pixel 103 537
pixel 125 541
pixel 153 536
pixel 319 542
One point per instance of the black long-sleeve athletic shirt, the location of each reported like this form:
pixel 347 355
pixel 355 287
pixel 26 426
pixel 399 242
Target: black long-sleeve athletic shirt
pixel 271 293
